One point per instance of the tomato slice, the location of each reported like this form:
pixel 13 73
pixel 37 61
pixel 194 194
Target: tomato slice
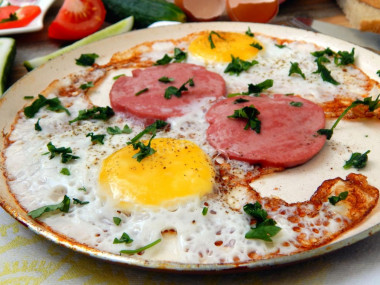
pixel 24 15
pixel 77 19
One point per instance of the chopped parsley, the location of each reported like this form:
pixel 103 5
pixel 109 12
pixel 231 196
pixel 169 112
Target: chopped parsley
pixel 237 66
pixel 377 72
pixel 372 106
pixel 118 76
pixel 250 114
pixel 86 59
pixel 116 220
pixel 179 56
pixel 249 33
pixel 12 17
pixel 240 100
pixel 82 189
pixel 138 250
pixel 212 45
pixel 265 228
pixel 37 126
pixel 53 104
pixel 357 160
pixel 165 79
pixel 256 45
pixel 117 131
pixel 125 238
pixel 335 199
pixel 344 57
pixel 146 150
pixel 87 85
pixel 65 152
pixel 324 72
pixel 204 211
pixel 255 89
pixel 77 201
pixel 63 206
pixel 177 92
pixel 96 138
pixel 96 113
pixel 65 171
pixel 28 97
pixel 142 91
pixel 324 52
pixel 294 68
pixel 280 46
pixel 296 104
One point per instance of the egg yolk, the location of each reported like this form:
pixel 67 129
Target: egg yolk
pixel 178 169
pixel 219 46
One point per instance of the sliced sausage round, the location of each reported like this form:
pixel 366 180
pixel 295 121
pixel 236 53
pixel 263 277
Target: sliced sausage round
pixel 288 135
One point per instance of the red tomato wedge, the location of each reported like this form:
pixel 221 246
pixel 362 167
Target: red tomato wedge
pixel 77 19
pixel 17 17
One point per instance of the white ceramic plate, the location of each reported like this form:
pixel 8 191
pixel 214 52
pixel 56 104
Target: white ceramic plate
pixel 38 79
pixel 37 24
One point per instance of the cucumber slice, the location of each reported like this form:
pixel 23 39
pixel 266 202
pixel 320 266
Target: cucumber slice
pixel 7 56
pixel 115 29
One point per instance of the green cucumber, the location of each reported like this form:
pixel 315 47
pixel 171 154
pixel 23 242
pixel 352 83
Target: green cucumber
pixel 115 29
pixel 7 57
pixel 145 12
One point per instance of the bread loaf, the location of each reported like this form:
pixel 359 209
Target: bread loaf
pixel 362 14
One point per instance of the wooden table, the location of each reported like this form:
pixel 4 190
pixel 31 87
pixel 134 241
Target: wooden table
pixel 35 44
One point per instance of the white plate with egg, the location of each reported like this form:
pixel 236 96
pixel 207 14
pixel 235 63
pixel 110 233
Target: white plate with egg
pixel 308 176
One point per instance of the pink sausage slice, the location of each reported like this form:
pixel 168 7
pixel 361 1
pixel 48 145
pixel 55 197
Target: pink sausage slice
pixel 152 104
pixel 288 135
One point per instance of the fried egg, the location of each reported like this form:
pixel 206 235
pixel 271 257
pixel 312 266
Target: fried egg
pixel 186 194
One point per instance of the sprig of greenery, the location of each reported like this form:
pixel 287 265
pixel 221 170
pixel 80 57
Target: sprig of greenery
pixel 96 113
pixel 265 228
pixel 117 131
pixel 96 138
pixel 63 206
pixel 335 199
pixel 138 250
pixel 177 92
pixel 212 45
pixel 86 59
pixel 372 106
pixel 53 104
pixel 65 152
pixel 295 69
pixel 357 160
pixel 237 66
pixel 125 238
pixel 179 56
pixel 250 114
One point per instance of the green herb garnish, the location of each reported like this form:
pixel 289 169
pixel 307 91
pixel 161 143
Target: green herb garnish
pixel 237 66
pixel 96 113
pixel 321 53
pixel 145 150
pixel 142 91
pixel 125 238
pixel 164 60
pixel 64 206
pixel 357 160
pixel 249 33
pixel 28 97
pixel 77 201
pixel 87 85
pixel 335 199
pixel 37 126
pixel 179 55
pixel 53 104
pixel 296 104
pixel 177 92
pixel 204 211
pixel 265 228
pixel 280 46
pixel 372 106
pixel 138 250
pixel 82 189
pixel 255 89
pixel 378 72
pixel 65 171
pixel 117 131
pixel 294 68
pixel 240 100
pixel 12 17
pixel 151 129
pixel 118 76
pixel 250 114
pixel 344 57
pixel 257 45
pixel 96 138
pixel 86 59
pixel 212 45
pixel 65 152
pixel 324 72
pixel 116 220
pixel 165 79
